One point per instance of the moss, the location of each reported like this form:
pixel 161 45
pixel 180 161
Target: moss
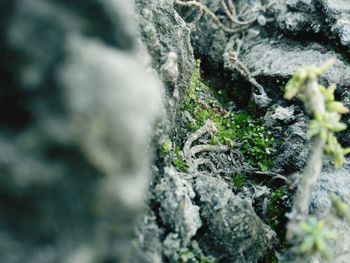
pixel 165 147
pixel 178 161
pixel 276 209
pixel 204 103
pixel 239 180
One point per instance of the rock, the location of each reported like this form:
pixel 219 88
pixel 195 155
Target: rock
pixel 279 59
pixel 150 233
pixel 232 230
pixel 169 70
pixel 177 210
pixel 208 40
pixel 334 182
pixel 282 114
pixel 74 131
pixel 293 153
pixel 164 33
pixel 327 17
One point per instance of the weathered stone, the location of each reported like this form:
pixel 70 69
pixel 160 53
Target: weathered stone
pixel 176 207
pixel 279 60
pixel 74 131
pixel 330 18
pixel 233 232
pixel 334 182
pixel 164 32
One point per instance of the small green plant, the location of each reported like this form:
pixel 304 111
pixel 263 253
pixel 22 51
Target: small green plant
pixel 239 180
pixel 275 208
pixel 340 209
pixel 187 256
pixel 316 237
pixel 178 161
pixel 320 102
pixel 314 234
pixel 166 146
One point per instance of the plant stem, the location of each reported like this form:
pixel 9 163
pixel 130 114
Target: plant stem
pixel 306 185
pixel 308 179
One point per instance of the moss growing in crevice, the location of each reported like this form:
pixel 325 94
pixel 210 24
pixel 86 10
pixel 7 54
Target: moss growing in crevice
pixel 204 103
pixel 178 160
pixel 276 209
pixel 239 180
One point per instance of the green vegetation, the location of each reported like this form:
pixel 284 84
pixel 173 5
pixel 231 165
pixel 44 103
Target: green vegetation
pixel 166 146
pixel 203 103
pixel 326 121
pixel 276 208
pixel 239 180
pixel 317 237
pixel 178 161
pixel 187 256
pixel 314 234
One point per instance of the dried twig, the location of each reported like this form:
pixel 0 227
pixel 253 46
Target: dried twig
pixel 190 152
pixel 260 99
pixel 231 14
pixel 203 9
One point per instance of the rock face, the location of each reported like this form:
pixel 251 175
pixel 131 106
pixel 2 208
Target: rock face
pixel 74 131
pixel 82 97
pixel 232 230
pixel 323 18
pixel 164 32
pixel 334 182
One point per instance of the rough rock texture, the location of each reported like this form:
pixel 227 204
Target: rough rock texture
pixel 175 217
pixel 176 208
pixel 293 153
pixel 279 59
pixel 334 182
pixel 77 109
pixel 232 230
pixel 74 131
pixel 163 31
pixel 208 40
pixel 325 18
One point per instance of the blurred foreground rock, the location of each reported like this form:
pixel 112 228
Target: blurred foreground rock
pixel 82 93
pixel 74 131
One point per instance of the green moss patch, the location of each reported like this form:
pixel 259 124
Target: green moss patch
pixel 233 128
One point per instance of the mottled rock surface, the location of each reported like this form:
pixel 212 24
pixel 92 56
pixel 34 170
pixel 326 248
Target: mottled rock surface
pixel 74 131
pixel 82 98
pixel 232 230
pixel 326 18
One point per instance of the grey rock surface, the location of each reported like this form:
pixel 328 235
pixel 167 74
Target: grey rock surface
pixel 233 232
pixel 163 31
pixel 294 150
pixel 334 182
pixel 176 207
pixel 327 18
pixel 279 59
pixel 81 95
pixel 208 40
pixel 74 131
